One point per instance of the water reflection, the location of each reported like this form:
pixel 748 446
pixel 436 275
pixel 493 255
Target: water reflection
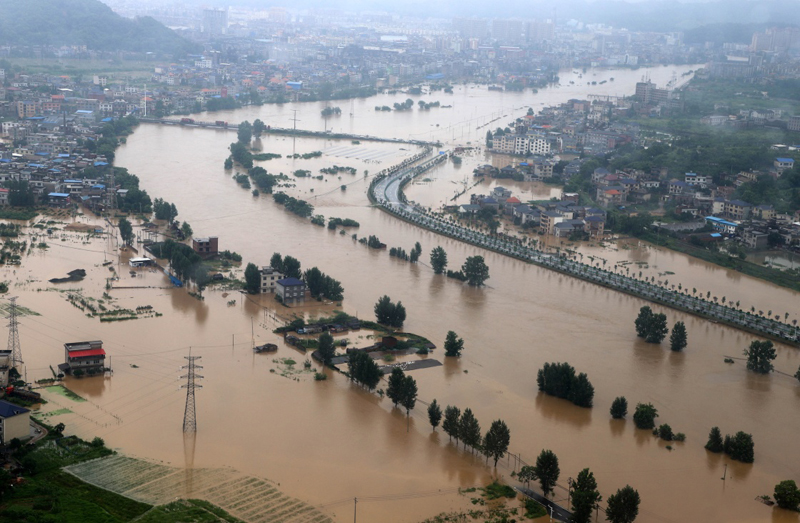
pixel 189 441
pixel 562 411
pixel 738 471
pixel 643 436
pixel 780 515
pixel 92 386
pixel 714 461
pixel 617 426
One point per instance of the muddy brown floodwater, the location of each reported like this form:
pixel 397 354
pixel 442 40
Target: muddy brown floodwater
pixel 327 442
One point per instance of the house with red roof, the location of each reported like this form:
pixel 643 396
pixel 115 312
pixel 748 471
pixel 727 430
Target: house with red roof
pixel 88 357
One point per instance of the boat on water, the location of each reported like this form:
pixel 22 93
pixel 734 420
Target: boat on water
pixel 267 347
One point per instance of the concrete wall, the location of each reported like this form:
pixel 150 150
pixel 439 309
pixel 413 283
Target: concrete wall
pixel 16 427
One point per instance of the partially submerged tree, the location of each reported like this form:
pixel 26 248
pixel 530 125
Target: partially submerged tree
pixel 125 231
pixel 395 388
pixel 450 423
pixel 715 443
pixel 678 339
pixel 252 278
pixel 475 270
pixel 547 471
pixel 619 408
pixel 623 507
pixel 453 345
pixel 787 495
pixel 389 313
pixel 434 414
pixel 645 415
pixel 584 497
pixel 469 429
pixel 326 349
pixel 759 356
pixel 438 260
pixel 496 441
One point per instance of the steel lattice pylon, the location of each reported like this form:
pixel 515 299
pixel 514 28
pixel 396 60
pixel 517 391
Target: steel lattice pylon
pixel 189 415
pixel 13 334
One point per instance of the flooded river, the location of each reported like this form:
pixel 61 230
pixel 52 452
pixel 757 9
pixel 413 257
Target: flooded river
pixel 328 442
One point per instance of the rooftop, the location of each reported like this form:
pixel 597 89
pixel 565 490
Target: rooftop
pixel 290 282
pixel 8 410
pixel 86 353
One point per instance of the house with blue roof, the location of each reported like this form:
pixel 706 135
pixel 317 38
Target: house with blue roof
pixel 721 225
pixel 291 291
pixel 58 199
pixel 783 164
pixel 15 422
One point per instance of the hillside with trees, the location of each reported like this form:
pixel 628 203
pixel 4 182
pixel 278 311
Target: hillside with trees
pixel 85 22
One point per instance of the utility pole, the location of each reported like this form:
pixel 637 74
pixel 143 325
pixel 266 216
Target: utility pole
pixel 13 334
pixel 189 415
pixel 725 472
pixel 294 130
pixel 355 504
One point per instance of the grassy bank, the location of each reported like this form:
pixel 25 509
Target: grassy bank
pixel 58 496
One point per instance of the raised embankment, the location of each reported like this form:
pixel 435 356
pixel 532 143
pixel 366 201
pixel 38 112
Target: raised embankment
pixel 386 191
pixel 224 126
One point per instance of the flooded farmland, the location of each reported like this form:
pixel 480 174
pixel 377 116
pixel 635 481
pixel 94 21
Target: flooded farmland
pixel 325 442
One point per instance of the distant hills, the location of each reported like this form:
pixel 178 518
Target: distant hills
pixel 84 22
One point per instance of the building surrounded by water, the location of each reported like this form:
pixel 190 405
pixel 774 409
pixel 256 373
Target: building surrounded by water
pixel 89 357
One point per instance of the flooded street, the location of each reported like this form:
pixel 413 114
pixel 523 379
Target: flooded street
pixel 327 442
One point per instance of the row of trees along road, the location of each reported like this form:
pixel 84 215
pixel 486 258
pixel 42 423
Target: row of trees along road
pixel 363 369
pixel 402 390
pixel 622 506
pixel 466 428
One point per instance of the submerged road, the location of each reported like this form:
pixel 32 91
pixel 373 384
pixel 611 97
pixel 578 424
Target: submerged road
pixel 225 126
pixel 387 191
pixel 555 510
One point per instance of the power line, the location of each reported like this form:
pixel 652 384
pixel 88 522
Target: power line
pixel 189 414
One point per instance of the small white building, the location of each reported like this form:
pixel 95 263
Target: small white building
pixel 5 367
pixel 140 262
pixel 15 422
pixel 269 277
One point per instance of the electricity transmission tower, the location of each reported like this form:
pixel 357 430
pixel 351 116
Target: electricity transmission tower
pixel 13 334
pixel 189 415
